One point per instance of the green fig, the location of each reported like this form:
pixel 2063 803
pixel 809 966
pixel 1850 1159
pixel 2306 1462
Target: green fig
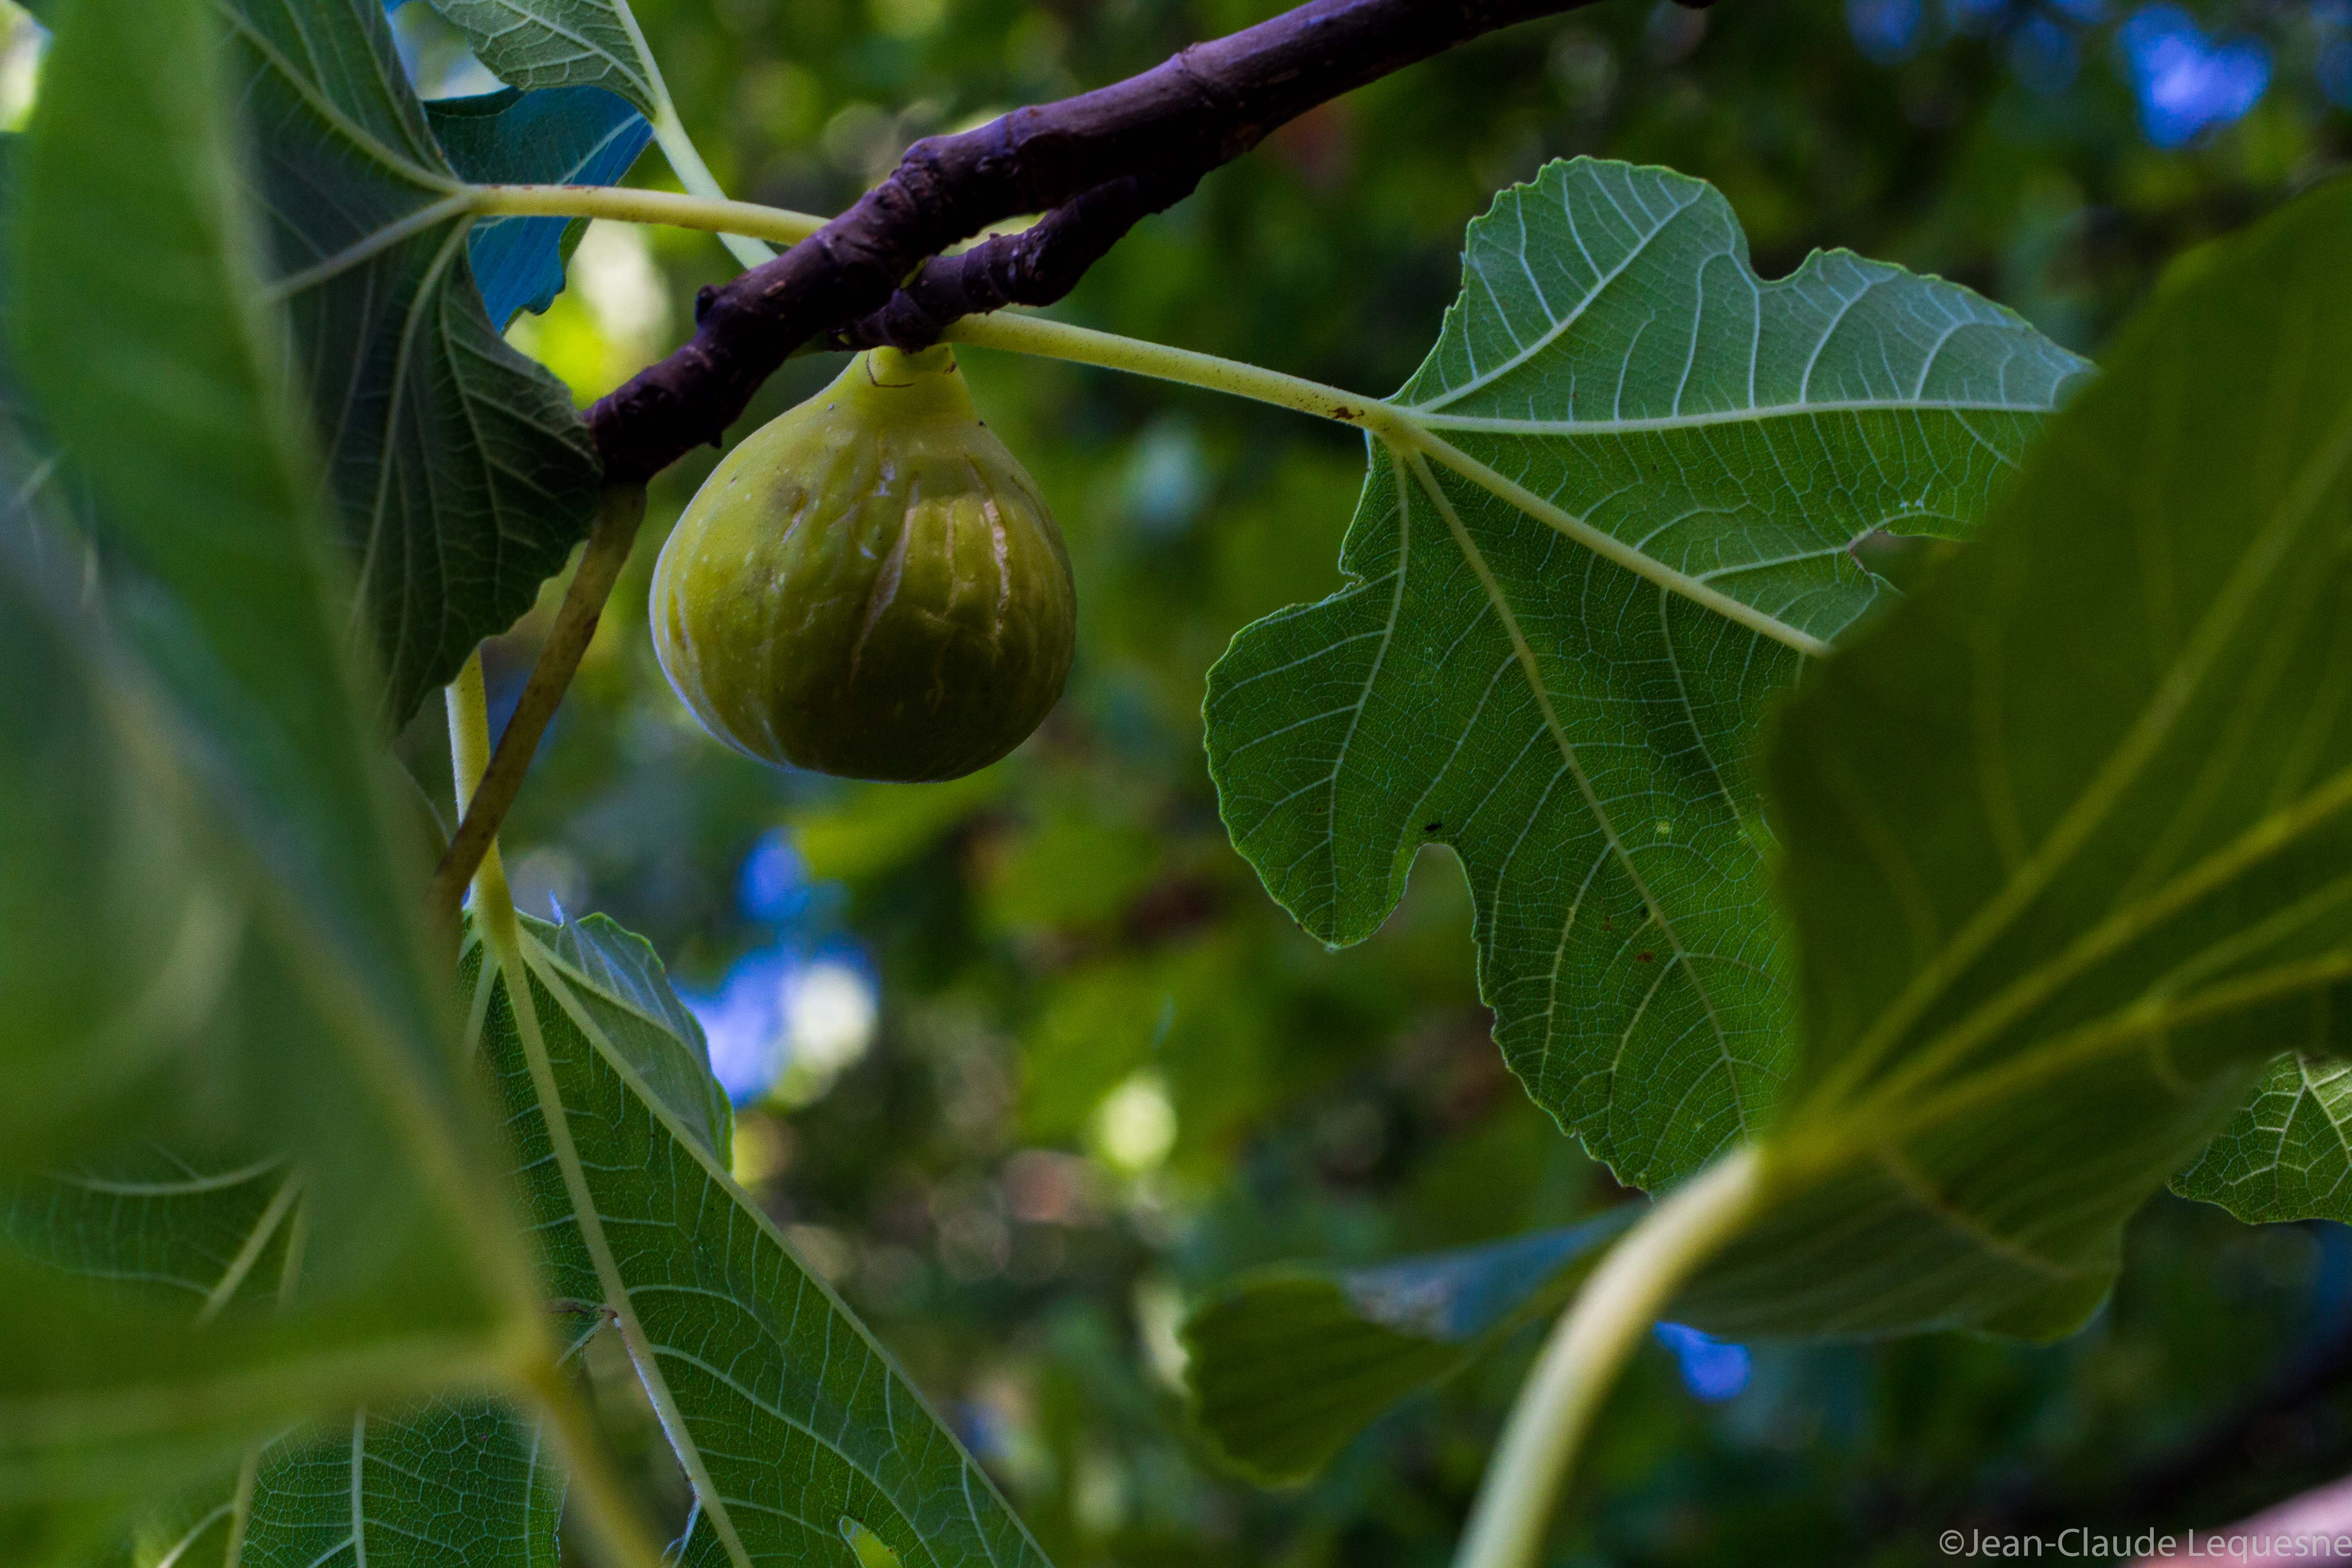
pixel 869 586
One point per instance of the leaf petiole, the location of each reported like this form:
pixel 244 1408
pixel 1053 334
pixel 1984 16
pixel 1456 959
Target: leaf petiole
pixel 491 784
pixel 626 203
pixel 685 163
pixel 1045 339
pixel 605 1507
pixel 1582 1358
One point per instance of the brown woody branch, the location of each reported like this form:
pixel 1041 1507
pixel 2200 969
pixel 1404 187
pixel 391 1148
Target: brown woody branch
pixel 1037 266
pixel 1094 164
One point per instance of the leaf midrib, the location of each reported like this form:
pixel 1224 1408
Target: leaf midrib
pixel 1404 429
pixel 1504 424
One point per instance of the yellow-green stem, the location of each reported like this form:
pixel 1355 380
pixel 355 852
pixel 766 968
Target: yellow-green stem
pixel 1581 1360
pixel 492 785
pixel 714 214
pixel 469 731
pixel 1083 345
pixel 685 163
pixel 605 1505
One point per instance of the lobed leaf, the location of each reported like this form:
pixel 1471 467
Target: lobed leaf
pixel 1616 518
pixel 2068 832
pixel 274 989
pixel 1287 1365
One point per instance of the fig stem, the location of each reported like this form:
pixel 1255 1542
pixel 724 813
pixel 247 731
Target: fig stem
pixel 685 163
pixel 1137 356
pixel 621 509
pixel 1579 1361
pixel 534 1372
pixel 624 203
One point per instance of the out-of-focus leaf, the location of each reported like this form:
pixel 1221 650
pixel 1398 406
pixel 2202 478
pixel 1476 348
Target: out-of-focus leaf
pixel 463 475
pixel 202 1234
pixel 1555 665
pixel 322 1035
pixel 2287 1153
pixel 204 1030
pixel 786 1416
pixel 1287 1365
pixel 176 413
pixel 560 136
pixel 46 504
pixel 450 1482
pixel 2068 832
pixel 95 813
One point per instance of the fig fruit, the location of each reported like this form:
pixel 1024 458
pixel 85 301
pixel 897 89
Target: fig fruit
pixel 869 586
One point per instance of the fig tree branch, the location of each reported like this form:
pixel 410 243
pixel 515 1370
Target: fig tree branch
pixel 1094 163
pixel 1037 266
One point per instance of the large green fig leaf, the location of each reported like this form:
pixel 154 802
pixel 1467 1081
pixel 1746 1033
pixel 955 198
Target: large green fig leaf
pixel 790 1422
pixel 463 475
pixel 1614 516
pixel 281 992
pixel 1287 1365
pixel 2069 834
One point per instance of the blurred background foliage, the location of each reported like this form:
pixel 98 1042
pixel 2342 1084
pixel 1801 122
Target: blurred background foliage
pixel 1028 1062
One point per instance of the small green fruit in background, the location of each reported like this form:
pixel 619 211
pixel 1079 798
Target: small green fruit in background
pixel 869 586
